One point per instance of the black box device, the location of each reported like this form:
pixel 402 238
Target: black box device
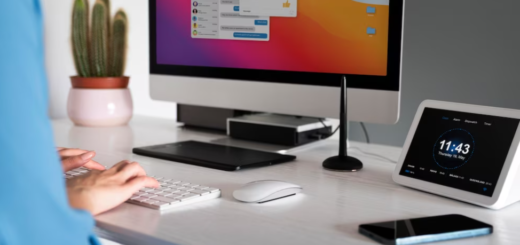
pixel 278 129
pixel 213 156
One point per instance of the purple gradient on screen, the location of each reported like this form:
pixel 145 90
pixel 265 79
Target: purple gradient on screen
pixel 175 46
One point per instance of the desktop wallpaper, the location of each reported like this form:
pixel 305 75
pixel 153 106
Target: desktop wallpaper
pixel 327 36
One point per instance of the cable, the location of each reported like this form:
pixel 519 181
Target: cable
pixel 366 132
pixel 368 142
pixel 355 148
pixel 373 154
pixel 330 135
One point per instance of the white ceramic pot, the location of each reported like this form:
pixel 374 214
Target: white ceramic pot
pixel 100 107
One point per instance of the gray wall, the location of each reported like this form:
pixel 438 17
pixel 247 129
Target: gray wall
pixel 455 50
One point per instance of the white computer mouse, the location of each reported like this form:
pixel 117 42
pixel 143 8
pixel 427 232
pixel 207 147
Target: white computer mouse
pixel 265 191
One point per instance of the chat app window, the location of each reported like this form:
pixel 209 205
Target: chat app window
pixel 273 8
pixel 221 19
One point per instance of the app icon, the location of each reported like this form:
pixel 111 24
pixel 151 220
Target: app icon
pixel 371 10
pixel 371 31
pixel 287 4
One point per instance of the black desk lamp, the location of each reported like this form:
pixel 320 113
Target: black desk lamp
pixel 343 162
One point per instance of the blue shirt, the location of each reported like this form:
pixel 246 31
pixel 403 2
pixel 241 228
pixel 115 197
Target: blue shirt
pixel 34 208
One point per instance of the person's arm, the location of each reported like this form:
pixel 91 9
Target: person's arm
pixel 35 207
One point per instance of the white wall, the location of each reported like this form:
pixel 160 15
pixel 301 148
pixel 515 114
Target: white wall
pixel 60 65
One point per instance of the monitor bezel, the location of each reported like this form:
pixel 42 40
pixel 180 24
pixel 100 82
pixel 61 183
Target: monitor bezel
pixel 391 82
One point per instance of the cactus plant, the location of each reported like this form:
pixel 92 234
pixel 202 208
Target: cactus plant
pixel 118 46
pixel 100 51
pixel 99 40
pixel 80 38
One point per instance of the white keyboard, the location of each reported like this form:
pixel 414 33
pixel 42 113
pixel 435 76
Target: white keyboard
pixel 172 193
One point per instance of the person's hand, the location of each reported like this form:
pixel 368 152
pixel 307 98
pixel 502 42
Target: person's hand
pixel 100 191
pixel 75 158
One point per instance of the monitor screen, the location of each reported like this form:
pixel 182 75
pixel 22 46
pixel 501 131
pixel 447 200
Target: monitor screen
pixel 292 40
pixel 461 150
pixel 326 36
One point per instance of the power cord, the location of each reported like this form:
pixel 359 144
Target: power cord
pixel 366 132
pixel 373 154
pixel 367 137
pixel 321 136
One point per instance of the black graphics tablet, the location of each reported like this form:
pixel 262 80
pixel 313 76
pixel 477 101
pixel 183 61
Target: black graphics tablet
pixel 213 156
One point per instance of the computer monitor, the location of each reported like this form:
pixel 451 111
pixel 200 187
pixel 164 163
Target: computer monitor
pixel 279 56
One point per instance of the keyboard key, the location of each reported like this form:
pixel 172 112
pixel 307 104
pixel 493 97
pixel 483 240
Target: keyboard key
pixel 185 184
pixel 148 195
pixel 201 192
pixel 212 190
pixel 135 197
pixel 189 197
pixel 201 187
pixel 140 199
pixel 164 199
pixel 167 194
pixel 175 196
pixel 150 201
pixel 155 191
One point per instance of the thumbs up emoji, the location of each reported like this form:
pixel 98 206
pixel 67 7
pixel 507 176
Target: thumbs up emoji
pixel 287 4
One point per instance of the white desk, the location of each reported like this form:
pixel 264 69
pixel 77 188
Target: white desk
pixel 328 212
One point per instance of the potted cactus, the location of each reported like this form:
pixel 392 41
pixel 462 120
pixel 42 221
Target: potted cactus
pixel 99 95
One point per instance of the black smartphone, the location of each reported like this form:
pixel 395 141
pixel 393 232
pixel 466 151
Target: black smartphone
pixel 423 230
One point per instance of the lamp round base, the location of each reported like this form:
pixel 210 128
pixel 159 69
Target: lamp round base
pixel 343 164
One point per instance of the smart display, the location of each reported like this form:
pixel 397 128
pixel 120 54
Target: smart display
pixel 465 151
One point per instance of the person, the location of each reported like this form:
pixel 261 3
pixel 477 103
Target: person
pixel 38 206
